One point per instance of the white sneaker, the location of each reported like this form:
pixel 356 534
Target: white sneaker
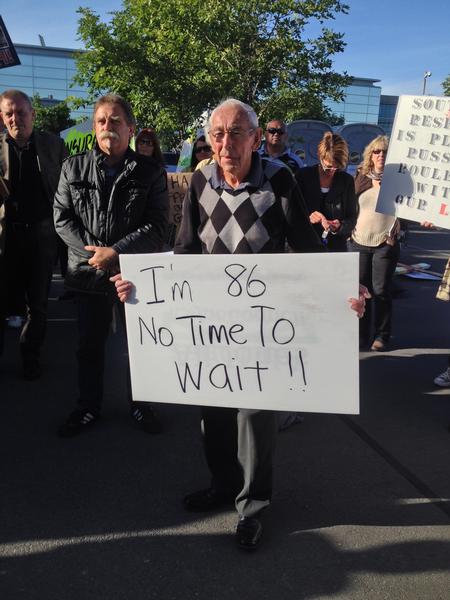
pixel 443 380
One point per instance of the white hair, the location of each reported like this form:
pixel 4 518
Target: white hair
pixel 233 103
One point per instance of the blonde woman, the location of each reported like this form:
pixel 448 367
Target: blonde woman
pixel 329 193
pixel 375 237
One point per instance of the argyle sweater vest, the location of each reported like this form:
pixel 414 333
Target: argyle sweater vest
pixel 258 217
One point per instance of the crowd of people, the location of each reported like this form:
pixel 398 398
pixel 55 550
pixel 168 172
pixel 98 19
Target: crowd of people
pixel 112 200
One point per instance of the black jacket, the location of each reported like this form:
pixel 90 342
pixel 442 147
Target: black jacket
pixel 340 202
pixel 50 151
pixel 132 220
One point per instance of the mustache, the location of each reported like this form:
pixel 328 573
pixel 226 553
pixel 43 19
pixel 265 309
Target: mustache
pixel 109 134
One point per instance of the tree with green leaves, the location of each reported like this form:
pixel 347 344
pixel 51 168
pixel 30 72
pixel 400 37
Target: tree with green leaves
pixel 446 86
pixel 52 118
pixel 174 59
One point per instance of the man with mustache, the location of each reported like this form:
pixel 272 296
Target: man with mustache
pixel 110 200
pixel 30 164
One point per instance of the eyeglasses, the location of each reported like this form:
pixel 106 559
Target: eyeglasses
pixel 274 130
pixel 145 142
pixel 379 151
pixel 203 149
pixel 235 134
pixel 326 169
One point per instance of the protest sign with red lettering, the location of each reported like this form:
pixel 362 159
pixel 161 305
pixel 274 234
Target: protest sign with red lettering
pixel 416 179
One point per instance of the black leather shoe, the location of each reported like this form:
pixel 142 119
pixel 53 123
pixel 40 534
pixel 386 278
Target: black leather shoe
pixel 248 533
pixel 205 500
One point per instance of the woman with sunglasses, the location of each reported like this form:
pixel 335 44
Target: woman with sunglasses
pixel 147 143
pixel 375 237
pixel 329 193
pixel 200 152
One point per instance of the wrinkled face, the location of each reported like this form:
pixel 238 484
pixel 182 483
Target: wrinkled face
pixel 145 146
pixel 378 159
pixel 276 135
pixel 112 131
pixel 233 141
pixel 18 117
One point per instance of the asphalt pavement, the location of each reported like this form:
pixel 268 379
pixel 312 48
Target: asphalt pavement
pixel 361 508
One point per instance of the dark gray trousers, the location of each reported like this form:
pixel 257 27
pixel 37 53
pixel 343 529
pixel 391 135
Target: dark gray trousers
pixel 239 447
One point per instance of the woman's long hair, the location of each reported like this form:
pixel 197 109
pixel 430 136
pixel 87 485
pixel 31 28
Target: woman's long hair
pixel 381 142
pixel 150 134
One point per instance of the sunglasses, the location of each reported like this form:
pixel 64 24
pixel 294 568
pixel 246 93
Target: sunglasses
pixel 274 130
pixel 326 168
pixel 203 149
pixel 145 142
pixel 379 151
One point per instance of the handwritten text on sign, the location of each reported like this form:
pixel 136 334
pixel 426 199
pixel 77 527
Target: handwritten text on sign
pixel 416 180
pixel 249 331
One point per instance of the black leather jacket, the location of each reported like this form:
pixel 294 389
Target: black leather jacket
pixel 132 220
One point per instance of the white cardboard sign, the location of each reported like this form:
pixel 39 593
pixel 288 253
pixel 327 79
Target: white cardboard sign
pixel 416 179
pixel 270 331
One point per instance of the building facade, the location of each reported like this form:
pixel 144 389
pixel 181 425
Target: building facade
pixel 361 102
pixel 388 106
pixel 46 71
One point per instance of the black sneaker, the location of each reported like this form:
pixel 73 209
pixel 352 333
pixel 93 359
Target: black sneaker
pixel 146 419
pixel 77 422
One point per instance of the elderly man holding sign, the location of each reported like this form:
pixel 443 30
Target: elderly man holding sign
pixel 241 204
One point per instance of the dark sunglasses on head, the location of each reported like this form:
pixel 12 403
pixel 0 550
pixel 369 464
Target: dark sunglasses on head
pixel 146 142
pixel 203 149
pixel 379 151
pixel 274 130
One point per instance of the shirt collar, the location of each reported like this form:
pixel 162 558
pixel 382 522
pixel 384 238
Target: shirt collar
pixel 12 142
pixel 264 152
pixel 254 177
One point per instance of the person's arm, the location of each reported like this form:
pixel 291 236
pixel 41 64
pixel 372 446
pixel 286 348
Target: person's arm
pixel 300 234
pixel 67 224
pixel 348 222
pixel 187 241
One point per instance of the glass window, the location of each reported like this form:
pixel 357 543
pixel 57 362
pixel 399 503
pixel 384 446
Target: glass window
pixel 352 99
pixel 13 81
pixel 55 84
pixel 77 93
pixel 25 59
pixel 23 70
pixel 50 72
pixel 355 117
pixel 50 93
pixel 58 62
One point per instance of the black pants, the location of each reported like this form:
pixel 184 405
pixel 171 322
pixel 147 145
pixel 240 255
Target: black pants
pixel 376 269
pixel 95 314
pixel 239 446
pixel 28 265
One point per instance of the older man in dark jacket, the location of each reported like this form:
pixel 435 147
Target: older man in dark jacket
pixel 30 164
pixel 110 201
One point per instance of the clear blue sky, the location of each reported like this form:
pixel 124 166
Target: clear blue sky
pixel 389 40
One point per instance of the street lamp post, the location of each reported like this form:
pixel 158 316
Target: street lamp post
pixel 425 77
